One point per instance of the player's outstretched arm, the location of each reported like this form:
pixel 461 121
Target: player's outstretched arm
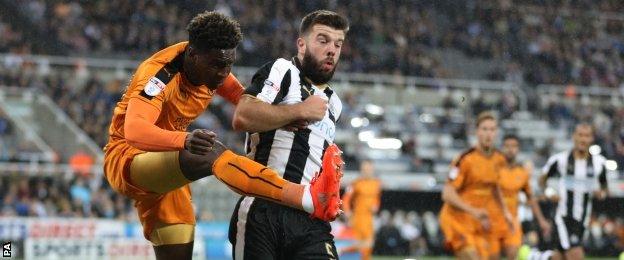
pixel 498 196
pixel 537 212
pixel 254 115
pixel 141 132
pixel 346 201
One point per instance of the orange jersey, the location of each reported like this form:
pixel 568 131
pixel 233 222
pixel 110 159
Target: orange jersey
pixel 159 82
pixel 362 197
pixel 512 180
pixel 475 175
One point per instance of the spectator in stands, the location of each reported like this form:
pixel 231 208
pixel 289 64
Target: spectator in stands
pixel 81 162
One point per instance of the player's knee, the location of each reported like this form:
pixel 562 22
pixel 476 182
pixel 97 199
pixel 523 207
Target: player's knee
pixel 195 167
pixel 174 251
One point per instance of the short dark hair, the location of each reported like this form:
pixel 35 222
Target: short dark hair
pixel 324 17
pixel 511 136
pixel 213 30
pixel 585 124
pixel 483 116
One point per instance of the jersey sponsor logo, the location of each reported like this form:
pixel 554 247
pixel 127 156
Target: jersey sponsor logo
pixel 453 173
pixel 326 128
pixel 154 87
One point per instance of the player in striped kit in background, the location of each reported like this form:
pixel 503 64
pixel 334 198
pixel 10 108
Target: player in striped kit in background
pixel 582 176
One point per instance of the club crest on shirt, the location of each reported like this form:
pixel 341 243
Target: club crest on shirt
pixel 154 87
pixel 453 173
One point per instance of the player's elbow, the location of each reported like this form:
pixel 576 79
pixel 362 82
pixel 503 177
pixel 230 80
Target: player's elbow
pixel 132 136
pixel 243 118
pixel 240 122
pixel 446 193
pixel 134 142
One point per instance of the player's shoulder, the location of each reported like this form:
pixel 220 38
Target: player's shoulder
pixel 559 156
pixel 168 54
pixel 278 67
pixel 498 155
pixel 463 156
pixel 166 63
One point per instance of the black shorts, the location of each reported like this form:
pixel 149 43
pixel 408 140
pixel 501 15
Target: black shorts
pixel 260 229
pixel 567 233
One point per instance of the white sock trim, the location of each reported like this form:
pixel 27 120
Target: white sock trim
pixel 306 200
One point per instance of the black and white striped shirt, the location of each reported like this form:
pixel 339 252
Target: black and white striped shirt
pixel 296 155
pixel 578 179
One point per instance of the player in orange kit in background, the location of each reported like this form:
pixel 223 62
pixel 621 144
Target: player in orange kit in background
pixel 513 179
pixel 361 203
pixel 471 187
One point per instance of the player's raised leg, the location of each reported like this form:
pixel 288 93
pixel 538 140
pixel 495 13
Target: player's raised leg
pixel 164 172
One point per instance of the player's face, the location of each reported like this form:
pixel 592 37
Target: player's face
pixel 212 67
pixel 511 148
pixel 321 49
pixel 367 169
pixel 486 132
pixel 583 137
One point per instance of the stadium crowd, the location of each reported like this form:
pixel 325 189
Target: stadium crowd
pixel 81 196
pixel 98 96
pixel 558 42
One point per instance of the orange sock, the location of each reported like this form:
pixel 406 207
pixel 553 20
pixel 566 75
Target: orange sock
pixel 250 178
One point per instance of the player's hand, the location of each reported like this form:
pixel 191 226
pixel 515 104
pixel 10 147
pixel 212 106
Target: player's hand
pixel 313 109
pixel 600 194
pixel 200 141
pixel 545 227
pixel 482 216
pixel 509 220
pixel 296 126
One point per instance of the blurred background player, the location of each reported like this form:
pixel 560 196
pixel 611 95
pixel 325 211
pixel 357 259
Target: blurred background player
pixel 514 178
pixel 471 189
pixel 361 203
pixel 261 229
pixel 152 159
pixel 582 176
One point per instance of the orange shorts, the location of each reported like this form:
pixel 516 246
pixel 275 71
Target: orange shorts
pixel 506 238
pixel 460 234
pixel 362 225
pixel 173 207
